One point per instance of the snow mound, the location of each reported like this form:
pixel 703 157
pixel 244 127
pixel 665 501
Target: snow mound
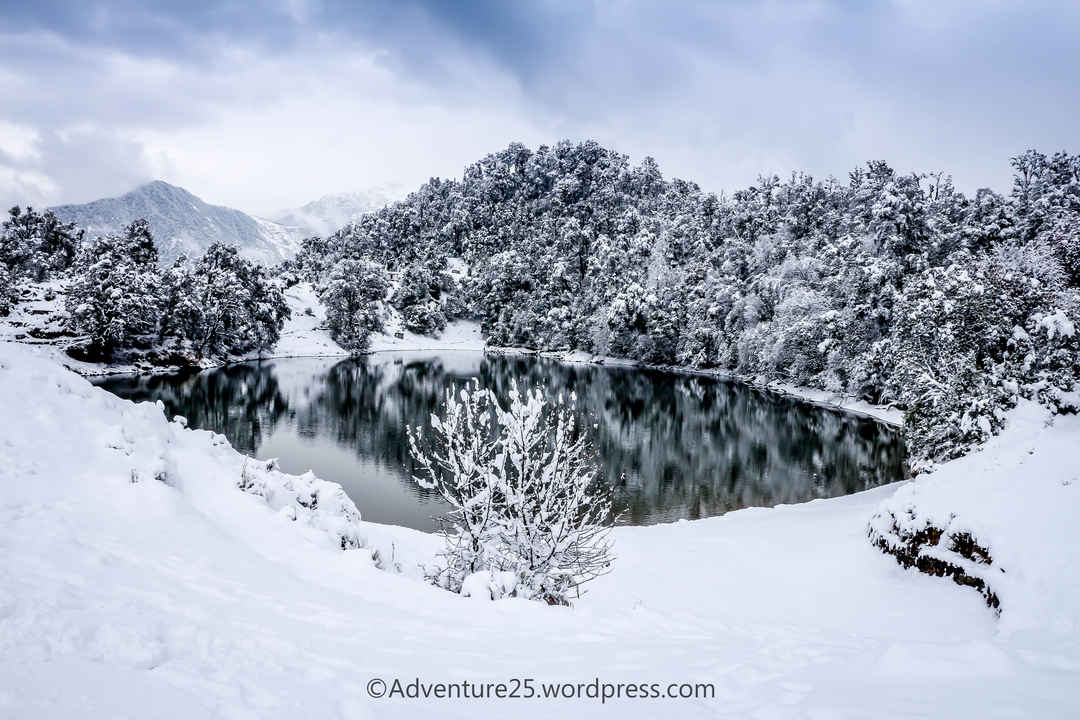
pixel 1003 518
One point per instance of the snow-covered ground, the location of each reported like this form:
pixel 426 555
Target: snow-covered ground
pixel 1019 496
pixel 304 336
pixel 148 570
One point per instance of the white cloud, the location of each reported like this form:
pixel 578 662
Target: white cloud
pixel 30 187
pixel 19 142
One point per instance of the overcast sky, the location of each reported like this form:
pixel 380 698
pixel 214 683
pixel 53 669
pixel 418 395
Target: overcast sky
pixel 266 105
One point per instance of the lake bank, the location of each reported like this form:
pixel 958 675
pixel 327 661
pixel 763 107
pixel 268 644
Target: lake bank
pixel 671 446
pixel 823 398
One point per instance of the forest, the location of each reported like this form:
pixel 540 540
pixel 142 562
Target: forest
pixel 895 288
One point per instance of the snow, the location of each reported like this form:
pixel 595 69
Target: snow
pixel 1019 497
pixel 332 212
pixel 457 335
pixel 187 596
pixel 280 243
pixel 303 335
pixel 884 413
pixel 1057 323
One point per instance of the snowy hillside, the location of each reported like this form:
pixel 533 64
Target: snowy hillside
pixel 305 334
pixel 151 566
pixel 332 212
pixel 183 224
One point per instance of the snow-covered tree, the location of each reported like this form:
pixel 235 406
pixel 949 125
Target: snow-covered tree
pixel 529 517
pixel 353 293
pixel 113 298
pixel 223 304
pixel 9 290
pixel 33 247
pixel 36 245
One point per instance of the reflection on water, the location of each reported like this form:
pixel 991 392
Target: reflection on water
pixel 672 446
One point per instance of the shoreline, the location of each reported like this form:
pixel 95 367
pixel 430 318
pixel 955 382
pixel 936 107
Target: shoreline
pixel 887 415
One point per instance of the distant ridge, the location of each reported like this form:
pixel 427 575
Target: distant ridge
pixel 183 224
pixel 332 212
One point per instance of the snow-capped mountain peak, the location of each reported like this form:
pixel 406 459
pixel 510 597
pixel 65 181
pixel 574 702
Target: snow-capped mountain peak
pixel 332 212
pixel 183 224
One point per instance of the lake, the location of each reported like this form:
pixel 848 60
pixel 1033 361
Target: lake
pixel 672 446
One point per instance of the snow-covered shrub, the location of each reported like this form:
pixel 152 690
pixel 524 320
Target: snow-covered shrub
pixel 454 306
pixel 9 290
pixel 426 295
pixel 414 287
pixel 627 318
pixel 459 463
pixel 306 499
pixel 943 548
pixel 524 492
pixel 425 318
pixel 353 293
pixel 1064 240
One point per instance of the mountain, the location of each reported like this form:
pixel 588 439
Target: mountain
pixel 332 212
pixel 183 224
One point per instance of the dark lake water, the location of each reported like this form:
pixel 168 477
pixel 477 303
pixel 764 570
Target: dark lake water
pixel 672 446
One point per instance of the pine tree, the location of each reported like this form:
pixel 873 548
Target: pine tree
pixel 222 305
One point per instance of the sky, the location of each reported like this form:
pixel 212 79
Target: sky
pixel 267 104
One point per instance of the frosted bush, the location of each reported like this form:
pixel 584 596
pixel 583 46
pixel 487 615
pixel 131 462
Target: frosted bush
pixel 526 504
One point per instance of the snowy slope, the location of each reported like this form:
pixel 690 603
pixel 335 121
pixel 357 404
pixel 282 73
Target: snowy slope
pixel 183 224
pixel 187 596
pixel 304 334
pixel 1019 498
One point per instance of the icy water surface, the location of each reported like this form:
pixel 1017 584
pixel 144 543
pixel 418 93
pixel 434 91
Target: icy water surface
pixel 673 446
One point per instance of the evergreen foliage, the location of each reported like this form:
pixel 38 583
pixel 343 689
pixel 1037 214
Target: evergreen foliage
pixel 120 299
pixel 353 293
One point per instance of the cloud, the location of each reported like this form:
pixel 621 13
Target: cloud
pixel 19 142
pixel 270 105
